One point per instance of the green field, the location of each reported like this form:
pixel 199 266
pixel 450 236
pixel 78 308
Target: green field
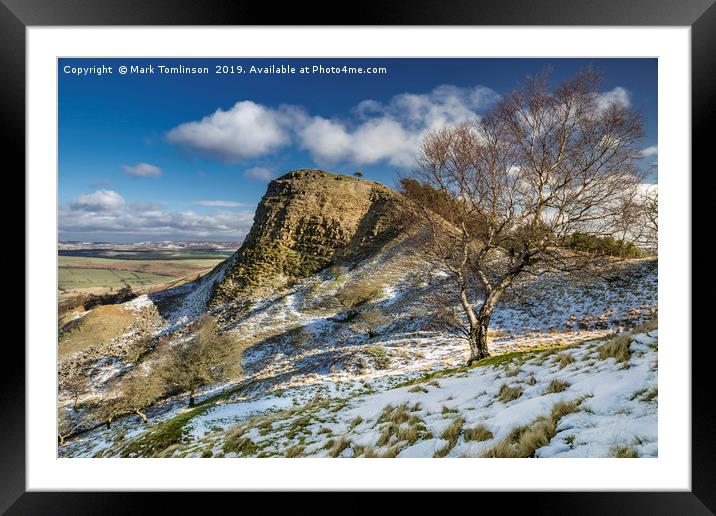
pixel 71 278
pixel 112 270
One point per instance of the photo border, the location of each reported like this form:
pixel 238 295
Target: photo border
pixel 700 15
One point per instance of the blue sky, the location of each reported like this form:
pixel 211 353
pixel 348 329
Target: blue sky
pixel 149 156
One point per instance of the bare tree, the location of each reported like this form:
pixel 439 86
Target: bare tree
pixel 65 426
pixel 650 226
pixel 207 358
pixel 499 199
pixel 111 408
pixel 75 385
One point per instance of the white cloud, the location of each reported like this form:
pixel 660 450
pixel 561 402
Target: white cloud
pixel 618 96
pixel 259 173
pixel 88 217
pixel 373 132
pixel 99 201
pixel 245 131
pixel 142 170
pixel 392 131
pixel 220 204
pixel 650 151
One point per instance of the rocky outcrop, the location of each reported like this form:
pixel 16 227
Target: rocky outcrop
pixel 306 221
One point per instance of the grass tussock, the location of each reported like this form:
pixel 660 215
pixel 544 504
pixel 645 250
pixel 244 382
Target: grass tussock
pixel 451 435
pixel 523 441
pixel 616 348
pixel 478 433
pixel 507 393
pixel 564 359
pixel 356 421
pixel 294 451
pixel 556 385
pixel 337 446
pixel 512 372
pixel 398 422
pixel 623 452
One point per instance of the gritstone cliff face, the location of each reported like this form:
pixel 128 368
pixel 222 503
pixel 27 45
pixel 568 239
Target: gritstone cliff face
pixel 306 221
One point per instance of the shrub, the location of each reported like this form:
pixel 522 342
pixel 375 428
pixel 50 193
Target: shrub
pixel 369 322
pixel 208 358
pixel 606 245
pixel 380 356
pixel 357 294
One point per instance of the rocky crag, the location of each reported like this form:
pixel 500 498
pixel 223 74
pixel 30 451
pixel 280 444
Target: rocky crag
pixel 306 221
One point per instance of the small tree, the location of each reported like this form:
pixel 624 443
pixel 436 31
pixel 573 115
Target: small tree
pixel 207 358
pixel 111 408
pixel 75 385
pixel 500 198
pixel 139 392
pixel 66 426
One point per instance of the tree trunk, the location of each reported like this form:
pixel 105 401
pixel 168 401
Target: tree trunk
pixel 140 414
pixel 478 340
pixel 480 325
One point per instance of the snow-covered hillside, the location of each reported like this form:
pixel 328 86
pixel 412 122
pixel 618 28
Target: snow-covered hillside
pixel 593 399
pixel 328 352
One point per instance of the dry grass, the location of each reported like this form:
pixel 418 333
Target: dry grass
pixel 512 372
pixel 646 327
pixel 556 385
pixel 508 393
pixel 400 423
pixel 294 451
pixel 478 433
pixel 451 435
pixel 417 388
pixel 623 452
pixel 617 348
pixel 564 359
pixel 523 441
pixel 336 446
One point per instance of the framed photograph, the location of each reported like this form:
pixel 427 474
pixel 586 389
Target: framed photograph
pixel 447 248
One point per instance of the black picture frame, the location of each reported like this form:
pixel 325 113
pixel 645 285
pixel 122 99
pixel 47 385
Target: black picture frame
pixel 700 15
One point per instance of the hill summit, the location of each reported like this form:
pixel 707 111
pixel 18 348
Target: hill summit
pixel 307 220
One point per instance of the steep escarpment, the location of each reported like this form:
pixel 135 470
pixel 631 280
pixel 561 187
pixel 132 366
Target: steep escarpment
pixel 306 221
